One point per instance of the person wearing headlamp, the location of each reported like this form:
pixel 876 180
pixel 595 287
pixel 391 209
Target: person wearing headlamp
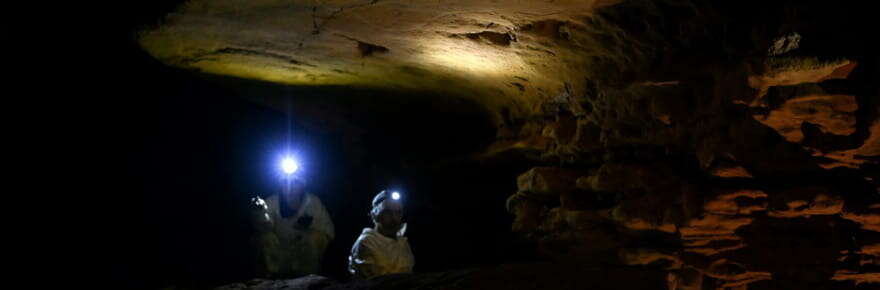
pixel 382 249
pixel 293 228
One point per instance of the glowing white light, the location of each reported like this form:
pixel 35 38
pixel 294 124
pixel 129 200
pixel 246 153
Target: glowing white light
pixel 260 202
pixel 289 165
pixel 395 195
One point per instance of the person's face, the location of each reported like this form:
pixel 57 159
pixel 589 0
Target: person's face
pixel 391 216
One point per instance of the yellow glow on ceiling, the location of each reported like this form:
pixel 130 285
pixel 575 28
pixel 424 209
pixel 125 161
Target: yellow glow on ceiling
pixel 464 55
pixel 259 69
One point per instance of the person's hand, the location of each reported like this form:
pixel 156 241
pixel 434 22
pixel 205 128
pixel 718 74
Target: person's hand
pixel 259 215
pixel 304 222
pixel 257 204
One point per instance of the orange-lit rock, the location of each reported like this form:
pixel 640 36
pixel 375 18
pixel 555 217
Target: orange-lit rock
pixel 731 172
pixel 822 205
pixel 856 157
pixel 709 246
pixel 734 274
pixel 868 217
pixel 873 250
pixel 834 114
pixel 713 225
pixel 858 278
pixel 804 202
pixel 787 71
pixel 641 256
pixel 738 202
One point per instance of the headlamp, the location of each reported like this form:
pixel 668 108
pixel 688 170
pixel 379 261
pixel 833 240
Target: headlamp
pixel 289 166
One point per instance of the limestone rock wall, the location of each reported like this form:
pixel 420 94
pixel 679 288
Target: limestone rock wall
pixel 736 155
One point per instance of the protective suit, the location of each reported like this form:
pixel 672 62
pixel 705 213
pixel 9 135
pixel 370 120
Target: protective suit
pixel 292 245
pixel 375 254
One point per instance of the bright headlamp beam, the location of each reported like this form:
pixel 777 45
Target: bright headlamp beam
pixel 289 166
pixel 395 195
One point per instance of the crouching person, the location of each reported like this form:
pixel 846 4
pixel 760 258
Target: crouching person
pixel 382 249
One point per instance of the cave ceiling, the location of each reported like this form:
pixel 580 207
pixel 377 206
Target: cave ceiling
pixel 501 54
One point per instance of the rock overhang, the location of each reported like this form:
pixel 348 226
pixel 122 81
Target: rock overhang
pixel 502 54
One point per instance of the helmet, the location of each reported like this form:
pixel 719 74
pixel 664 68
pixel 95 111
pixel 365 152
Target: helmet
pixel 385 194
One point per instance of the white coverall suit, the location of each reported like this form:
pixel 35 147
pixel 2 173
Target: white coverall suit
pixel 374 254
pixel 291 246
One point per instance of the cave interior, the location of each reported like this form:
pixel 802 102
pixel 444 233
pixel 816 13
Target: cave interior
pixel 606 144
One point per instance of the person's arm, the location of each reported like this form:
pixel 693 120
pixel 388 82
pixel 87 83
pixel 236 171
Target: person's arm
pixel 363 261
pixel 266 244
pixel 260 217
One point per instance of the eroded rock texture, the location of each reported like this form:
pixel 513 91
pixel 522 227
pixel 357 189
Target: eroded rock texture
pixel 729 144
pixel 753 170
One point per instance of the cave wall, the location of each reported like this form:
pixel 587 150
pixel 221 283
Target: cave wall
pixel 739 152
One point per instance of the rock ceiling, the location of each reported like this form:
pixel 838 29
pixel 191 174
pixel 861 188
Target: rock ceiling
pixel 507 53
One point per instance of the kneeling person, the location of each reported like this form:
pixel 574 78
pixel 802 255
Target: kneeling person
pixel 293 230
pixel 383 249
